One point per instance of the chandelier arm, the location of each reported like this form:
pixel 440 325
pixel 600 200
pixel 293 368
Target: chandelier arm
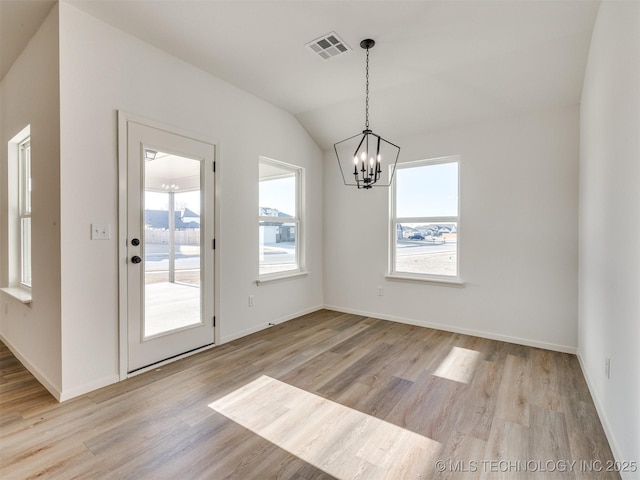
pixel 346 139
pixel 355 154
pixel 335 149
pixel 365 167
pixel 377 162
pixel 390 143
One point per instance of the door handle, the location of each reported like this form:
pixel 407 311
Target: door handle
pixel 135 242
pixel 136 259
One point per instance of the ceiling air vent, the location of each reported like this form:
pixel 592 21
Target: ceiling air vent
pixel 329 46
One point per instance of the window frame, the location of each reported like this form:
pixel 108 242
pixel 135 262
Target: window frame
pixel 24 212
pixel 393 273
pixel 298 220
pixel 18 211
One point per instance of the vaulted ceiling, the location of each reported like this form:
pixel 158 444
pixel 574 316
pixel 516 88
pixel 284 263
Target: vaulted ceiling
pixel 435 64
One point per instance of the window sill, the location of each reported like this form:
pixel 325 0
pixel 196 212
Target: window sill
pixel 21 294
pixel 277 277
pixel 452 281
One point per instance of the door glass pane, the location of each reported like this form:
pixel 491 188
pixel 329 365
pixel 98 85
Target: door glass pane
pixel 172 294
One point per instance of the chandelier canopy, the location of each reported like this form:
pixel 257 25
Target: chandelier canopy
pixel 366 159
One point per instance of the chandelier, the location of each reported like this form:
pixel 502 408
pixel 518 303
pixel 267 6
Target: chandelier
pixel 366 159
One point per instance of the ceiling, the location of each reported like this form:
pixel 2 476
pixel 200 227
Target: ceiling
pixel 19 21
pixel 435 64
pixel 167 172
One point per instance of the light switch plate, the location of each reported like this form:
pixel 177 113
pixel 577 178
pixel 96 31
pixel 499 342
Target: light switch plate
pixel 100 231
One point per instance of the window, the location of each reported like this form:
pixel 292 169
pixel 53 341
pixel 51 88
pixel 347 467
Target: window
pixel 425 220
pixel 280 219
pixel 19 216
pixel 24 210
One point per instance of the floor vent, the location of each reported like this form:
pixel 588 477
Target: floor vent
pixel 328 46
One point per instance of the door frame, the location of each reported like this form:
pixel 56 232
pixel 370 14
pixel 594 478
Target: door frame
pixel 123 297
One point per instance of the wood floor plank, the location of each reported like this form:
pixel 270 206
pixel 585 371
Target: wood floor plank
pixel 507 448
pixel 480 400
pixel 311 375
pixel 380 400
pixel 370 363
pixel 327 395
pixel 548 438
pixel 190 454
pixel 572 386
pixel 544 380
pixel 587 440
pixel 366 339
pixel 514 393
pixel 430 408
pixel 462 456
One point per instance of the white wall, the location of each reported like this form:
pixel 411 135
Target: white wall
pixel 103 70
pixel 519 196
pixel 609 296
pixel 29 95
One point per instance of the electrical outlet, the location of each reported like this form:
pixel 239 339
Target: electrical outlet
pixel 607 367
pixel 380 291
pixel 251 300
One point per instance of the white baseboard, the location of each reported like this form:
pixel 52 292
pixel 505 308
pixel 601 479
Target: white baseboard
pixel 615 449
pixel 41 377
pixel 465 331
pixel 276 321
pixel 70 393
pixel 60 395
pixel 110 379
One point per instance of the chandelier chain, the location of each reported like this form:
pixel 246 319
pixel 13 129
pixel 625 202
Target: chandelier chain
pixel 366 123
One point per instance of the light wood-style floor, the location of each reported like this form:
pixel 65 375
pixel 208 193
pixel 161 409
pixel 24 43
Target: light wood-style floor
pixel 327 395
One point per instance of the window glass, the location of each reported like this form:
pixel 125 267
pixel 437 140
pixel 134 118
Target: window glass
pixel 427 191
pixel 427 248
pixel 278 251
pixel 25 211
pixel 25 250
pixel 278 196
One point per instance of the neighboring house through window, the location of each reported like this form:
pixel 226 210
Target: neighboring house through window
pixel 425 220
pixel 280 219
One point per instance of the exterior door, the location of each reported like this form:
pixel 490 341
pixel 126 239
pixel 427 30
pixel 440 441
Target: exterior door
pixel 169 245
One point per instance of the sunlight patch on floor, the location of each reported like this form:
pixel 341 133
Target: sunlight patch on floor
pixel 339 440
pixel 460 365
